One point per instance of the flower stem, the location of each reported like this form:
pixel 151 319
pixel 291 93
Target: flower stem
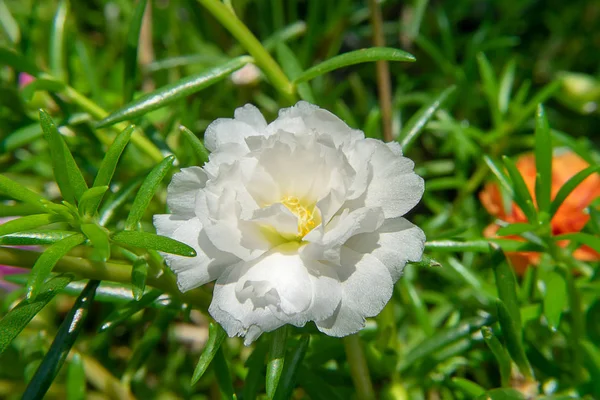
pixel 384 84
pixel 241 32
pixel 358 368
pixel 106 271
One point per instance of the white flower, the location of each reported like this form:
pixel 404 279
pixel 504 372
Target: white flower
pixel 298 220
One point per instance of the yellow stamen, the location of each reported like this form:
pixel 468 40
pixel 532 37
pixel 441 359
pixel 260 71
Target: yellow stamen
pixel 306 216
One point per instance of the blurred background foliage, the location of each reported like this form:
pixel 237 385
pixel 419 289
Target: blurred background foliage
pixel 502 57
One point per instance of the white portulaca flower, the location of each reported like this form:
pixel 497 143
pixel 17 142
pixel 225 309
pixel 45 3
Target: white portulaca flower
pixel 297 220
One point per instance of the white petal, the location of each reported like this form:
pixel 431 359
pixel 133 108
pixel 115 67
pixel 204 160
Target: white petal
pixel 167 224
pixel 227 130
pixel 367 286
pixel 252 116
pixel 278 217
pixel 395 243
pixel 182 191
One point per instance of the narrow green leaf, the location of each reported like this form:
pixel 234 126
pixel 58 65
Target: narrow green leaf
pixel 502 394
pixel 480 246
pixel 98 236
pixel 116 200
pixel 197 146
pixel 506 84
pixel 131 51
pixel 500 353
pixel 543 161
pixel 169 93
pixel 63 342
pixel 17 61
pixel 223 375
pixel 147 240
pixel 8 24
pixel 506 283
pixel 276 360
pixel 67 174
pixel 76 379
pixel 216 335
pixel 255 377
pixel 17 318
pixel 490 87
pixel 288 376
pixel 515 229
pixel 540 97
pixel 591 354
pixel 417 122
pixel 554 295
pixel 139 274
pixel 592 241
pixel 498 172
pixel 571 185
pixel 42 84
pixel 513 337
pixel 354 57
pixel 441 339
pixel 57 42
pixel 44 264
pixel 127 311
pixel 291 66
pixel 521 194
pixel 20 138
pixel 28 222
pixel 21 193
pixel 34 237
pixel 110 160
pixel 90 200
pixel 470 388
pixel 146 192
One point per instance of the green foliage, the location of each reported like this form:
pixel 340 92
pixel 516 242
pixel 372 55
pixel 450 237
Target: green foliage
pixel 468 81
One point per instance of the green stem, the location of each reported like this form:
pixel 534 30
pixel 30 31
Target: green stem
pixel 262 57
pixel 105 271
pixel 358 368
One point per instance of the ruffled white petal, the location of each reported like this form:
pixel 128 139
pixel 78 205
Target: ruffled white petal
pixel 182 191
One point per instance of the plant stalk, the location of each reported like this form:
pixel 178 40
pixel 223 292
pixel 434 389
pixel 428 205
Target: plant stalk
pixel 358 368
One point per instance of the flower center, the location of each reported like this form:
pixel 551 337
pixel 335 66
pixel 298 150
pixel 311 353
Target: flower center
pixel 307 218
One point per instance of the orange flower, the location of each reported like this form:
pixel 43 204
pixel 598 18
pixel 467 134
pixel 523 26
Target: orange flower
pixel 569 218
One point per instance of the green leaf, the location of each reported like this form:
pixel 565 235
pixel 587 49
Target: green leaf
pixel 67 174
pixel 540 97
pixel 276 360
pixel 17 61
pixel 63 342
pixel 98 236
pixel 169 93
pixel 20 137
pixel 216 335
pixel 115 201
pixel 498 172
pixel 592 241
pixel 502 394
pixel 521 194
pixel 354 57
pixel 196 144
pixel 292 68
pixel 543 161
pixel 255 364
pixel 131 51
pixel 554 295
pixel 139 274
pixel 17 318
pixel 500 353
pixel 506 84
pixel 90 200
pixel 506 283
pixel 9 25
pixel 28 222
pixel 571 185
pixel 223 375
pixel 76 379
pixel 148 240
pixel 128 310
pixel 515 229
pixel 288 376
pixel 513 337
pixel 42 84
pixel 470 388
pixel 146 192
pixel 44 264
pixel 480 246
pixel 110 160
pixel 490 87
pixel 34 237
pixel 21 193
pixel 57 42
pixel 417 122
